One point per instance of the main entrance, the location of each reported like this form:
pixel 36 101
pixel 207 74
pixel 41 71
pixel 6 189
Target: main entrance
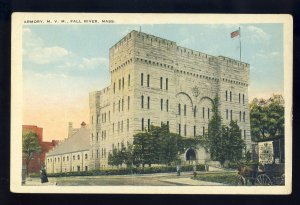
pixel 190 155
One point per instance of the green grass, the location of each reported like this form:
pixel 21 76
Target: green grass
pixel 229 178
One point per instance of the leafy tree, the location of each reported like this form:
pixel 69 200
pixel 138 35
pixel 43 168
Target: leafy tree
pixel 266 119
pixel 30 147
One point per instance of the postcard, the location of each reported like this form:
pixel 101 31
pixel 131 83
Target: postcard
pixel 151 103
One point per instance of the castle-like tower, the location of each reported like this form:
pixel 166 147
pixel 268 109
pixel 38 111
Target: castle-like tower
pixel 154 81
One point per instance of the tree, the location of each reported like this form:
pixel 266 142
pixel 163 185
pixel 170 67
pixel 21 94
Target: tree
pixel 30 147
pixel 223 142
pixel 266 119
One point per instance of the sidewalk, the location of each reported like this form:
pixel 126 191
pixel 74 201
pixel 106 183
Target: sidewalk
pixel 37 182
pixel 189 181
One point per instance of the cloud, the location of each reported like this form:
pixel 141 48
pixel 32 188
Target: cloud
pixel 266 55
pixel 35 50
pixel 257 33
pixel 93 63
pixel 49 75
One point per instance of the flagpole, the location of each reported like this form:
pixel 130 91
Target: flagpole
pixel 240 44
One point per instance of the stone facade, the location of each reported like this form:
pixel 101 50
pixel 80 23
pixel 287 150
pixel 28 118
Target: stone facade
pixel 154 81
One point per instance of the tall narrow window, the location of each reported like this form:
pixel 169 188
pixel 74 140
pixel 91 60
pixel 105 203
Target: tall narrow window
pixel 161 82
pixel 114 88
pixel 167 105
pixel 167 83
pixel 179 129
pixel 208 113
pixel 118 127
pixel 239 97
pixel 122 126
pixel 203 112
pixel 194 130
pixel 148 102
pixel 97 153
pixel 230 114
pixel 184 110
pixel 119 105
pixel 119 84
pixel 244 116
pixel 148 124
pixel 114 108
pixel 226 95
pixel 142 124
pixel 161 104
pixel 184 130
pixel 179 109
pixel 168 124
pixel 240 117
pixel 97 137
pixel 142 101
pixel 148 81
pixel 203 130
pixel 127 125
pixel 230 97
pixel 128 101
pixel 142 79
pixel 243 99
pixel 123 82
pixel 244 134
pixel 195 111
pixel 226 114
pixel 113 128
pixel 128 80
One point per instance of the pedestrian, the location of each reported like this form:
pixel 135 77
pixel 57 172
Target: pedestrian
pixel 43 175
pixel 178 170
pixel 195 170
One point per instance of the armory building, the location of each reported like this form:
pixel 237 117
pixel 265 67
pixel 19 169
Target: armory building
pixel 154 81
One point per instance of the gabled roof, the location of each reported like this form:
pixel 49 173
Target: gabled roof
pixel 79 141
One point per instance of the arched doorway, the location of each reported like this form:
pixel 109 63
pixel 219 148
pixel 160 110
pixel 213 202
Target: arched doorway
pixel 190 155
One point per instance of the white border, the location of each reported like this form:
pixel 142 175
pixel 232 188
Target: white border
pixel 17 92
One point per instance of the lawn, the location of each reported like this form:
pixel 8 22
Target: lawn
pixel 229 178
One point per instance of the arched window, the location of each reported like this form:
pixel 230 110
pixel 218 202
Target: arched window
pixel 86 156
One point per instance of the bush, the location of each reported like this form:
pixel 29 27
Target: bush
pixel 124 171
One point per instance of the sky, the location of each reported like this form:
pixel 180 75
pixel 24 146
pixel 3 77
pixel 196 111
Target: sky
pixel 63 63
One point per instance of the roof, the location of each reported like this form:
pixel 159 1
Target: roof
pixel 79 141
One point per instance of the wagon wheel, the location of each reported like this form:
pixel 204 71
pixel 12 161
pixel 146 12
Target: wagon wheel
pixel 282 179
pixel 263 180
pixel 241 180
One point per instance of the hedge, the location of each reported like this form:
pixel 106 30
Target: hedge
pixel 125 171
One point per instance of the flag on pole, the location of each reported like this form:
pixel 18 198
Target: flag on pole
pixel 235 33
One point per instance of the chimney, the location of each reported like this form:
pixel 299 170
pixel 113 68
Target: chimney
pixel 83 124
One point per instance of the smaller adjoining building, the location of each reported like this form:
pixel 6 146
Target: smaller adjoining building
pixel 72 154
pixel 38 158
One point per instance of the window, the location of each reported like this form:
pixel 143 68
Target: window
pixel 240 116
pixel 123 82
pixel 142 124
pixel 67 158
pixel 161 104
pixel 239 97
pixel 148 81
pixel 168 124
pixel 118 127
pixel 114 88
pixel 184 110
pixel 167 105
pixel 114 107
pixel 97 119
pixel 119 84
pixel 243 99
pixel 244 116
pixel 203 130
pixel 148 102
pixel 78 157
pixel 119 105
pixel 97 154
pixel 122 104
pixel 167 84
pixel 148 124
pixel 127 124
pixel 122 126
pixel 184 130
pixel 194 130
pixel 226 114
pixel 179 129
pixel 195 111
pixel 97 137
pixel 86 156
pixel 230 114
pixel 203 112
pixel 113 127
pixel 179 109
pixel 244 134
pixel 226 95
pixel 128 101
pixel 161 82
pixel 208 113
pixel 142 79
pixel 142 101
pixel 92 137
pixel 128 80
pixel 230 96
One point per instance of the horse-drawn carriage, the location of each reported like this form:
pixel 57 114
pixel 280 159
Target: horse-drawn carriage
pixel 257 174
